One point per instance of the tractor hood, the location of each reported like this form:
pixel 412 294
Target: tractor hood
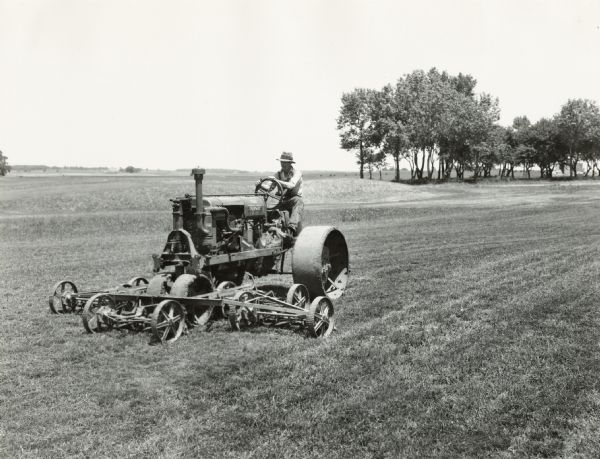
pixel 253 205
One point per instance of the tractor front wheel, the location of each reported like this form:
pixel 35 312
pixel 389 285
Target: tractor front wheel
pixel 190 285
pixel 158 285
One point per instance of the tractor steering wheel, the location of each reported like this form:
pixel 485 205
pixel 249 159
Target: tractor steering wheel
pixel 272 190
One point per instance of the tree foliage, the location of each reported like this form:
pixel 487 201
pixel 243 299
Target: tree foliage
pixel 356 124
pixel 437 122
pixel 4 166
pixel 578 124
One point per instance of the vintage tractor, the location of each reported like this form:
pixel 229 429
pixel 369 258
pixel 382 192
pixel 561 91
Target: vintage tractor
pixel 218 246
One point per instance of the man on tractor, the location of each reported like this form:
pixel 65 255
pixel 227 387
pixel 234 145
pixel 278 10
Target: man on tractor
pixel 291 181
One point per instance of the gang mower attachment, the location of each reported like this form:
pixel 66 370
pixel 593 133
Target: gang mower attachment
pixel 207 269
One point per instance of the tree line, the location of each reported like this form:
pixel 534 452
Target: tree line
pixel 4 166
pixel 437 124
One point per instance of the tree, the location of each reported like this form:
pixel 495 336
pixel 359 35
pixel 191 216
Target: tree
pixel 544 138
pixel 464 84
pixel 506 153
pixel 4 166
pixel 482 119
pixel 577 121
pixel 524 153
pixel 391 122
pixel 591 150
pixel 379 161
pixel 465 135
pixel 356 126
pixel 427 117
pixel 426 106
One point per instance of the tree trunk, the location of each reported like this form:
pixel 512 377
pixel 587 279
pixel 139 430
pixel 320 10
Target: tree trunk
pixel 361 159
pixel 397 164
pixel 429 168
pixel 448 166
pixel 422 166
pixel 418 172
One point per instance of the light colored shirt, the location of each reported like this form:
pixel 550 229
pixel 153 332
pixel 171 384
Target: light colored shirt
pixel 291 182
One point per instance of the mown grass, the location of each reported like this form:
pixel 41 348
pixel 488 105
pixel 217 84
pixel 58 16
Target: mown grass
pixel 470 328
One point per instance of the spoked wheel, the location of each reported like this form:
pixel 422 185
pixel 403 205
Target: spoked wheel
pixel 241 316
pixel 271 190
pixel 319 318
pixel 138 282
pixel 62 298
pixel 321 261
pixel 190 285
pixel 168 321
pixel 298 295
pixel 95 318
pixel 222 287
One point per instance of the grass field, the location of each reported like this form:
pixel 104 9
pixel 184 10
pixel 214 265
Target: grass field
pixel 471 327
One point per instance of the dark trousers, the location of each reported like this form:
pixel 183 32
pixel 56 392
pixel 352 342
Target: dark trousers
pixel 295 206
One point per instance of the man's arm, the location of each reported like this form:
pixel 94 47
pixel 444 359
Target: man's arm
pixel 293 181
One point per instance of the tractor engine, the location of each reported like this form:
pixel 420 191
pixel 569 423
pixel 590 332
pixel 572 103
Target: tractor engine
pixel 210 233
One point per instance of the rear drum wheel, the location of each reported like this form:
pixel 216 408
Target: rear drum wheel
pixel 321 262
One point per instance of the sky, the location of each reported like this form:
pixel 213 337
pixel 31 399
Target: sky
pixel 233 83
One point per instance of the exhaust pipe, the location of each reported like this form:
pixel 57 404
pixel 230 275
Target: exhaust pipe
pixel 200 215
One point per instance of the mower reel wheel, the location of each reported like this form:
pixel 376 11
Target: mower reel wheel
pixel 168 321
pixel 222 287
pixel 62 297
pixel 94 313
pixel 298 296
pixel 319 319
pixel 138 282
pixel 240 316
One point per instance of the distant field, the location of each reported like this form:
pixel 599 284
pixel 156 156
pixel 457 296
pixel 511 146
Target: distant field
pixel 471 328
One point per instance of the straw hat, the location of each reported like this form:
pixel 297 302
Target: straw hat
pixel 286 157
